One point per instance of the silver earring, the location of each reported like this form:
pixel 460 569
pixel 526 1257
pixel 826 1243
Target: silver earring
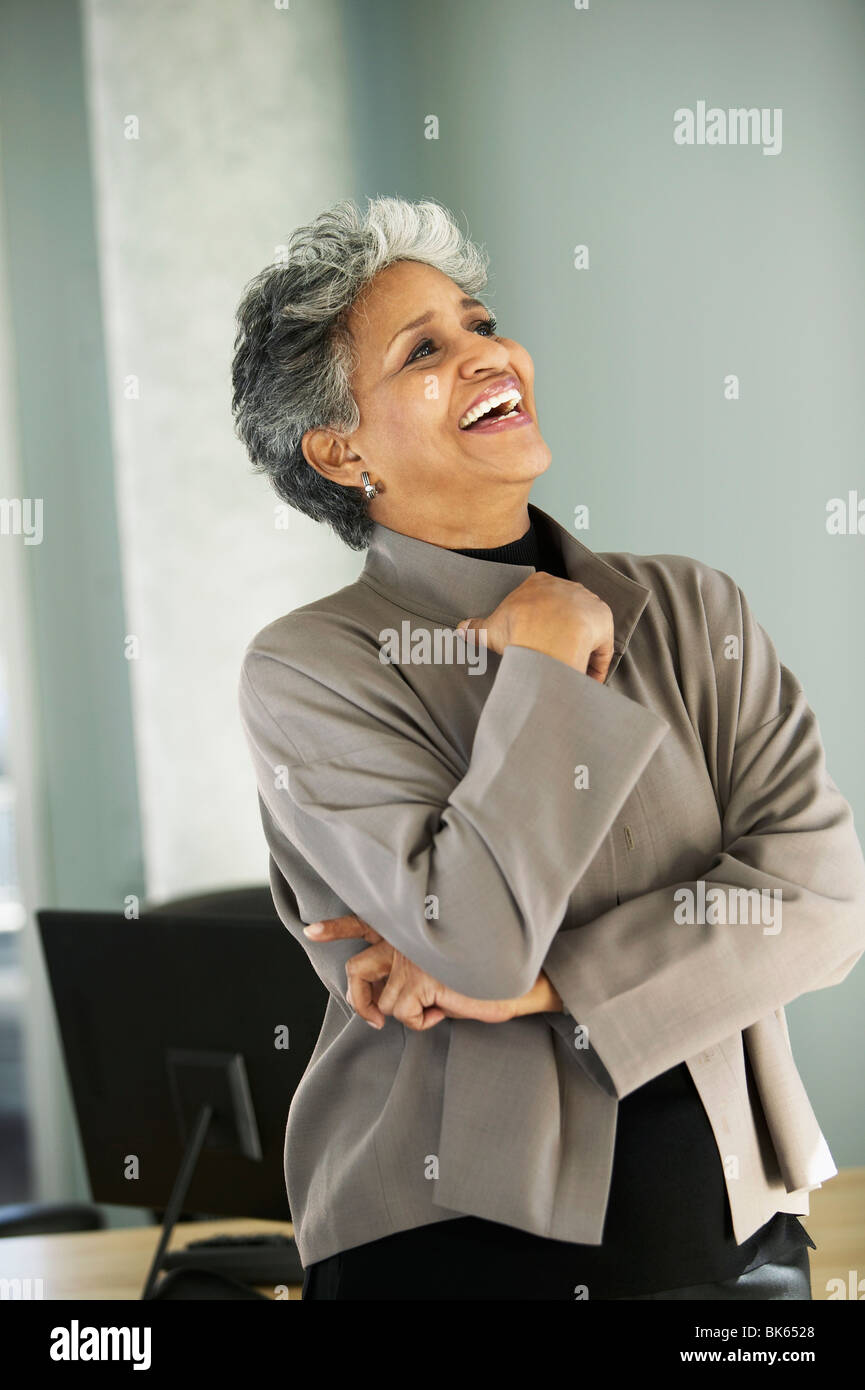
pixel 369 488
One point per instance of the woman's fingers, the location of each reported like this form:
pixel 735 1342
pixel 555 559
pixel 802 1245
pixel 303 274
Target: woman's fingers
pixel 363 972
pixel 341 928
pixel 394 986
pixel 432 1016
pixel 409 995
pixel 382 982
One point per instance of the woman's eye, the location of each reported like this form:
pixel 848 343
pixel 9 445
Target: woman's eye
pixel 489 324
pixel 426 342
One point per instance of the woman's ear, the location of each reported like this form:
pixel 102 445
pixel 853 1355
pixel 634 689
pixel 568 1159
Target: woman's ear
pixel 329 454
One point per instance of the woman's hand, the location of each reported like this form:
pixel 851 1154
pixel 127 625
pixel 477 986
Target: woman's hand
pixel 558 616
pixel 408 993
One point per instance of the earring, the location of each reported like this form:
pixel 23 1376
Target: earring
pixel 369 488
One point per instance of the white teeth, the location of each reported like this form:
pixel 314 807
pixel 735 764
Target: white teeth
pixel 490 404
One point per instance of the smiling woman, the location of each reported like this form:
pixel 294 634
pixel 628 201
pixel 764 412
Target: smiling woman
pixel 566 1092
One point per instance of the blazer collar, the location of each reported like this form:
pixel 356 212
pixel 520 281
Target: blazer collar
pixel 439 584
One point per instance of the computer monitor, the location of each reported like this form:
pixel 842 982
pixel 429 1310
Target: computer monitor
pixel 159 1013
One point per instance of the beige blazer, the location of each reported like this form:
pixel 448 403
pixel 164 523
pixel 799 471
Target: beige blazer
pixel 668 846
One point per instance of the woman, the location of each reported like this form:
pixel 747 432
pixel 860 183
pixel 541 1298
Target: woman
pixel 545 808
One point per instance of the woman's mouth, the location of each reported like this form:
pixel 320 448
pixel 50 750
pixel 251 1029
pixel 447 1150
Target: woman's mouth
pixel 506 413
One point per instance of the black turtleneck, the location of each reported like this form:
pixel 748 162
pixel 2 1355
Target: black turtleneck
pixel 525 551
pixel 529 549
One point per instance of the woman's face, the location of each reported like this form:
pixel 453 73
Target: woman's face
pixel 413 386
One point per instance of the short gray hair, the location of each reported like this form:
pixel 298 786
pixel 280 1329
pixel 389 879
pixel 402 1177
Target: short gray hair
pixel 294 355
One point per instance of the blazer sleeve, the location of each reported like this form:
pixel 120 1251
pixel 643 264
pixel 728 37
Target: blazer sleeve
pixel 653 989
pixel 450 871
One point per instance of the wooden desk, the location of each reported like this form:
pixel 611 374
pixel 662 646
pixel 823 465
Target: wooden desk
pixel 111 1264
pixel 837 1227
